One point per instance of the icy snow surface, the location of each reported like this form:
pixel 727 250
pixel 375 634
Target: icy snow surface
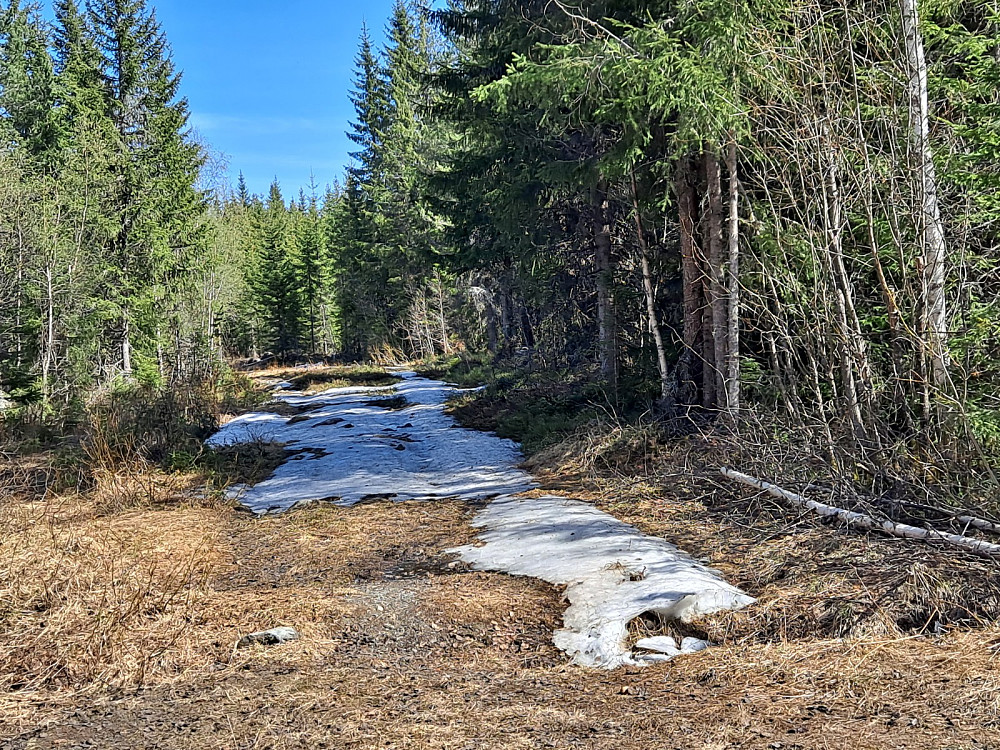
pixel 347 447
pixel 611 571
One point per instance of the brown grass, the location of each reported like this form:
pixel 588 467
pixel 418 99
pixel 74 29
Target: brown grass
pixel 319 378
pixel 400 650
pixel 121 604
pixel 812 580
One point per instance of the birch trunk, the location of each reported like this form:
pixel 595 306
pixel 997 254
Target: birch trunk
pixel 650 292
pixel 863 521
pixel 607 333
pixel 691 275
pixel 442 320
pixel 733 286
pixel 48 356
pixel 126 346
pixel 716 282
pixel 931 227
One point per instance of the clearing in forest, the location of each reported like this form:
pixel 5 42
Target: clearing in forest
pixel 404 643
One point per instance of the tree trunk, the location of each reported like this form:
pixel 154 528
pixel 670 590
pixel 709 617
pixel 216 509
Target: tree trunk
pixel 48 355
pixel 719 308
pixel 506 313
pixel 851 349
pixel 733 286
pixel 526 328
pixel 442 320
pixel 607 328
pixel 691 274
pixel 126 346
pixel 650 292
pixel 931 227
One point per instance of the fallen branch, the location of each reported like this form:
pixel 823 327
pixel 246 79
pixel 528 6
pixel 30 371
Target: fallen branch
pixel 967 520
pixel 860 520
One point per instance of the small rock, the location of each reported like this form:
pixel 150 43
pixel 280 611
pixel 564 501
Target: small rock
pixel 273 637
pixel 693 645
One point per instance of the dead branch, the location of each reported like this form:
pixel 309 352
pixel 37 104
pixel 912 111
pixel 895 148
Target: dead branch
pixel 860 520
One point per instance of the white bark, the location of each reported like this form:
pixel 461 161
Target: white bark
pixel 931 227
pixel 862 521
pixel 733 286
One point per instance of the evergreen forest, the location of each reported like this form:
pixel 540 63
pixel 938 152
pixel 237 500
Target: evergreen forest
pixel 779 218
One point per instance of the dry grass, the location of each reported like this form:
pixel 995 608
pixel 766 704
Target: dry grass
pixel 812 581
pixel 318 378
pixel 400 650
pixel 120 606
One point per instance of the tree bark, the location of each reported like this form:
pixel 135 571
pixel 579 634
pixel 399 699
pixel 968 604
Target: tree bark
pixel 718 307
pixel 691 276
pixel 607 326
pixel 733 285
pixel 934 249
pixel 48 355
pixel 650 292
pixel 851 349
pixel 442 320
pixel 126 346
pixel 863 521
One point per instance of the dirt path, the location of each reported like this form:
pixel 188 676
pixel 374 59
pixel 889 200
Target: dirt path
pixel 400 650
pixel 405 647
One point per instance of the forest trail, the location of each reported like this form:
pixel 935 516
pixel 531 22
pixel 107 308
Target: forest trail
pixel 398 443
pixel 405 646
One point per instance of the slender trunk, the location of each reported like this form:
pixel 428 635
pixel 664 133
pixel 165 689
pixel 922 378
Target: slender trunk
pixel 650 291
pixel 491 321
pixel 126 345
pixel 931 227
pixel 607 327
pixel 733 285
pixel 48 355
pixel 442 321
pixel 526 328
pixel 160 358
pixel 506 312
pixel 850 349
pixel 716 278
pixel 691 274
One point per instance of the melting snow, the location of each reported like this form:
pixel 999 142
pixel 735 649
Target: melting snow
pixel 611 571
pixel 346 447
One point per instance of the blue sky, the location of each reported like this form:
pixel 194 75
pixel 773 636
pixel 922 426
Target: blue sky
pixel 268 82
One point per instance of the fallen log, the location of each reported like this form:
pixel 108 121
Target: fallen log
pixel 862 521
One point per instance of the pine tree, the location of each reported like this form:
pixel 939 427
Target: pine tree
pixel 157 204
pixel 28 84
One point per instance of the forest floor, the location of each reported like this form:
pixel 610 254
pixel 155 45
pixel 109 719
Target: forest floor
pixel 119 630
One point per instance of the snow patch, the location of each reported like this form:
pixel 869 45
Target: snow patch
pixel 611 571
pixel 346 448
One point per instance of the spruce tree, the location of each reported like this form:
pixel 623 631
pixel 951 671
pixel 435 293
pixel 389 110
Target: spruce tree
pixel 278 288
pixel 28 84
pixel 157 204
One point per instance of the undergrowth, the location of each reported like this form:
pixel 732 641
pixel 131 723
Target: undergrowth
pixel 813 580
pixel 536 408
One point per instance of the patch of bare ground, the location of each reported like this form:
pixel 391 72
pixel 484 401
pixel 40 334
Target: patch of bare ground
pixel 318 378
pixel 119 619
